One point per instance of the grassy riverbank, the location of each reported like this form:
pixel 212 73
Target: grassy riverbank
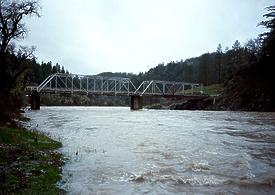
pixel 29 163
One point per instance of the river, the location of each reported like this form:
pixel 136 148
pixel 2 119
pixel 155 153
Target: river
pixel 112 150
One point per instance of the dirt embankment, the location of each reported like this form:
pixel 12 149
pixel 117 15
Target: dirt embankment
pixel 209 103
pixel 234 101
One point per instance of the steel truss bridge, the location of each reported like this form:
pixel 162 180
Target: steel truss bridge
pixel 100 85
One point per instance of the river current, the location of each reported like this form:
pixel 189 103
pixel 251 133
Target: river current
pixel 112 150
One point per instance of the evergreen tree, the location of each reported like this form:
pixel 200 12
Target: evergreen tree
pixel 219 61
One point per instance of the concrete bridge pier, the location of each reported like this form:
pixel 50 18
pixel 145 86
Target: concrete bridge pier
pixel 136 102
pixel 35 100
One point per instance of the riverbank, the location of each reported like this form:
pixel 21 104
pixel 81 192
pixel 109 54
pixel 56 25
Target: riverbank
pixel 214 103
pixel 214 91
pixel 209 103
pixel 241 98
pixel 29 162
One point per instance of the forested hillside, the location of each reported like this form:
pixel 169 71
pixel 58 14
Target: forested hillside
pixel 245 69
pixel 209 68
pixel 252 86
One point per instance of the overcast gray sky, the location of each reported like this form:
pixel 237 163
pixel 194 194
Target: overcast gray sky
pixel 93 36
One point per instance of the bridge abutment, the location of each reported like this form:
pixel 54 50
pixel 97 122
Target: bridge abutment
pixel 136 102
pixel 35 100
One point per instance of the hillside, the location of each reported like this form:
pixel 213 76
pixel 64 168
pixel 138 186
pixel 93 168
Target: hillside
pixel 245 71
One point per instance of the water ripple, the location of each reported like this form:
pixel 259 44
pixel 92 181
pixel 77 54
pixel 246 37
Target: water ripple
pixel 111 150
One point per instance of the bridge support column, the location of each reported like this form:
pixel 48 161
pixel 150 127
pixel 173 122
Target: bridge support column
pixel 136 102
pixel 35 100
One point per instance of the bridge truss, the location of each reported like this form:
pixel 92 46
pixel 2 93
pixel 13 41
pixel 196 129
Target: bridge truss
pixel 85 84
pixel 168 88
pixel 99 85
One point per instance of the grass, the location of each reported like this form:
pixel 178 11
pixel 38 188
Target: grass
pixel 29 163
pixel 214 89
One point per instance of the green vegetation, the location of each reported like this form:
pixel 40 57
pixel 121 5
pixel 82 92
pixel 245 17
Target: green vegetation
pixel 29 162
pixel 215 89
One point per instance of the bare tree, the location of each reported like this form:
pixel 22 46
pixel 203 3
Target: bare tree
pixel 12 27
pixel 12 13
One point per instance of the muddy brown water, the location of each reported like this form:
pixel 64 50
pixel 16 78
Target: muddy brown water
pixel 112 150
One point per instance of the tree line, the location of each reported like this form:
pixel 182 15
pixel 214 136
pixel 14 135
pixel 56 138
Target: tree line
pixel 250 62
pixel 209 68
pixel 37 72
pixel 244 69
